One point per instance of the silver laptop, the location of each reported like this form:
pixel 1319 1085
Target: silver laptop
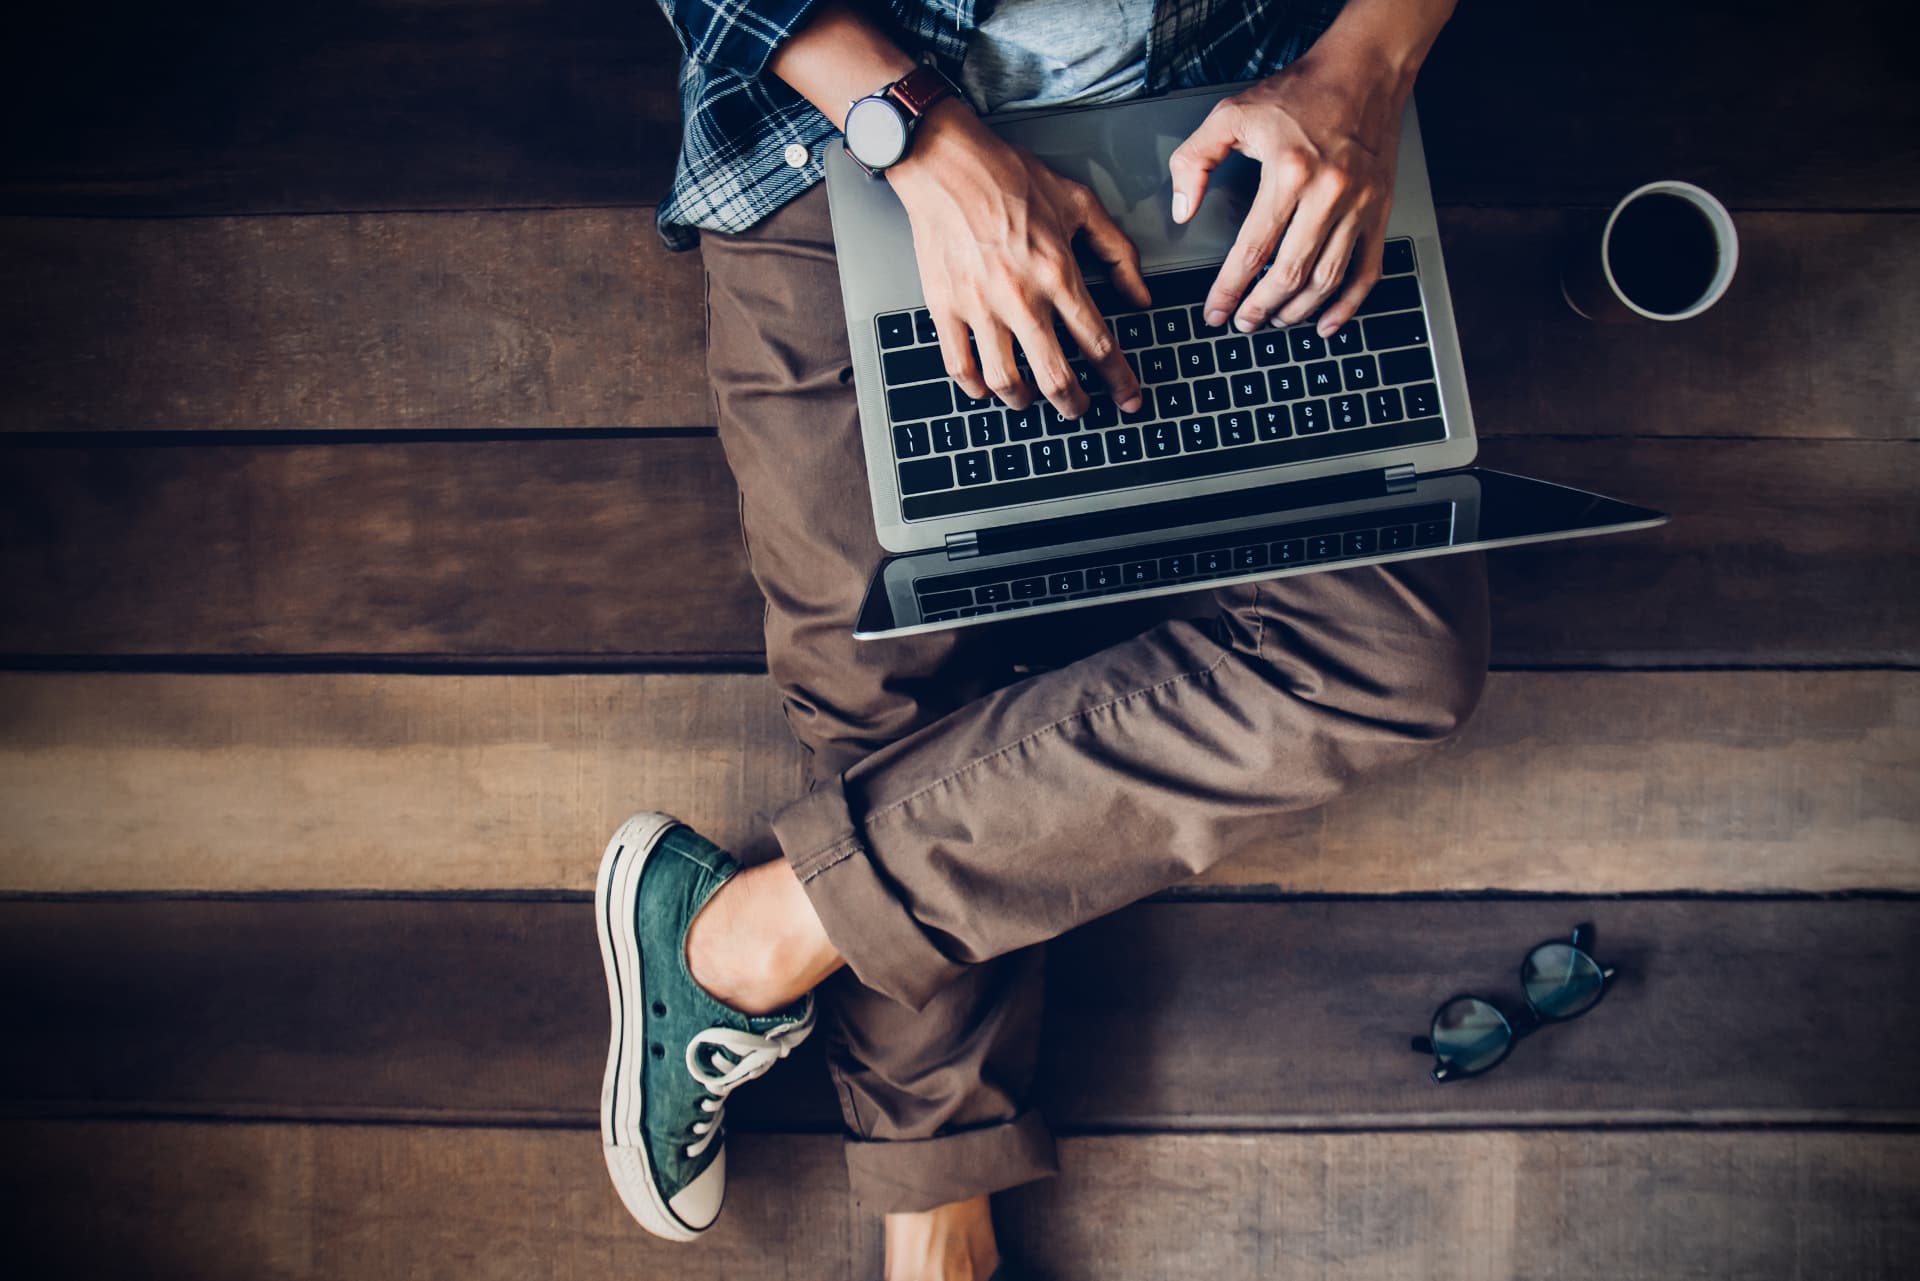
pixel 1255 456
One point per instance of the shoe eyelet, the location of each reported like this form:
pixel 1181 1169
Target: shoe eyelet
pixel 659 1009
pixel 659 1051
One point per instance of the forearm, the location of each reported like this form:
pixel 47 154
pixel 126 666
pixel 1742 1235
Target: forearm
pixel 1391 36
pixel 838 56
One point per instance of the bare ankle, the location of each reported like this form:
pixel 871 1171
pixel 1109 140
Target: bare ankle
pixel 952 1242
pixel 757 946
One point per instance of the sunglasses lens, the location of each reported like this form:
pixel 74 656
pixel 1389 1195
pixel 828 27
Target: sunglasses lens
pixel 1469 1034
pixel 1561 981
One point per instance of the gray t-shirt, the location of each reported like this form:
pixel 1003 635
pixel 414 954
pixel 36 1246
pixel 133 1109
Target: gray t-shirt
pixel 1053 53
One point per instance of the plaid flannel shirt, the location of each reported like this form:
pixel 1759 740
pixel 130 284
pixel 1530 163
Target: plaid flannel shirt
pixel 742 122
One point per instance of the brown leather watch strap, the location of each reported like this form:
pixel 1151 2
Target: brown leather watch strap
pixel 920 89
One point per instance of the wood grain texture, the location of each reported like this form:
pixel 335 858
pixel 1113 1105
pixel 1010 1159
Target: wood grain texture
pixel 1266 1015
pixel 509 320
pixel 1564 782
pixel 264 1202
pixel 1780 552
pixel 387 105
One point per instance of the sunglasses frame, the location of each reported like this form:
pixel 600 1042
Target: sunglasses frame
pixel 1523 1024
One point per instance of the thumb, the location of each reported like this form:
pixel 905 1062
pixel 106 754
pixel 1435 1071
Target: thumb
pixel 1203 152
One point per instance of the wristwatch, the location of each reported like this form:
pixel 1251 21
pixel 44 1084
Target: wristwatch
pixel 880 126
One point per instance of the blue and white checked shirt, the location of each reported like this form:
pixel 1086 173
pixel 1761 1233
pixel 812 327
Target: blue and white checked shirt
pixel 741 119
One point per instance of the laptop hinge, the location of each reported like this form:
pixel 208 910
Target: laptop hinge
pixel 1400 478
pixel 963 546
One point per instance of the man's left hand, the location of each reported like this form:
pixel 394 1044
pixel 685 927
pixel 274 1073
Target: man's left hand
pixel 1326 133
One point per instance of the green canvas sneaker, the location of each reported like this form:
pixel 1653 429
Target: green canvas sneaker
pixel 676 1053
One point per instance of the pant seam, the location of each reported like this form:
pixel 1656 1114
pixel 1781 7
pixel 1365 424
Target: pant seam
pixel 998 752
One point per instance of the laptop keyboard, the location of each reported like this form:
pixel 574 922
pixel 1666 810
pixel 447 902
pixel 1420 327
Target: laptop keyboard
pixel 945 597
pixel 1215 400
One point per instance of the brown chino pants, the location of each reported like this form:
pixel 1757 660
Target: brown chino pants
pixel 963 812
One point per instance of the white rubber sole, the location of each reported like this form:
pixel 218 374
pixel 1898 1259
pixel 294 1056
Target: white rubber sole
pixel 620 1134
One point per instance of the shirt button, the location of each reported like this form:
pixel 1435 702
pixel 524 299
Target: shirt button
pixel 797 155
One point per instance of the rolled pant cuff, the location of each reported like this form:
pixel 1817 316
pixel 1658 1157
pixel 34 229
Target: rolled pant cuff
pixel 863 916
pixel 906 1176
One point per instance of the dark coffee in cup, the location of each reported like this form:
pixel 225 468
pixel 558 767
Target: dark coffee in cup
pixel 1665 252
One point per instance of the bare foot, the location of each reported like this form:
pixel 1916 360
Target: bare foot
pixel 952 1242
pixel 757 944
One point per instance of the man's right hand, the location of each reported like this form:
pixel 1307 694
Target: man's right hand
pixel 993 230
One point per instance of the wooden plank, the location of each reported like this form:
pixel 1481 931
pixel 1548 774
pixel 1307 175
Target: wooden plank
pixel 255 1203
pixel 1281 1015
pixel 1565 782
pixel 593 549
pixel 502 321
pixel 553 318
pixel 464 104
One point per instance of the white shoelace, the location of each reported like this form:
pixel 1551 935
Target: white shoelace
pixel 751 1054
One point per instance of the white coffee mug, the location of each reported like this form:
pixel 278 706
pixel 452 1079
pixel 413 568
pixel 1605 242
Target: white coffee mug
pixel 1601 253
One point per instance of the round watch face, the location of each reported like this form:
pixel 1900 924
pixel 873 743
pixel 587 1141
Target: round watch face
pixel 876 132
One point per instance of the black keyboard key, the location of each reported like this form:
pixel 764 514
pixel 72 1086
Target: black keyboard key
pixel 1323 547
pixel 1398 258
pixel 1396 538
pixel 986 429
pixel 1360 542
pixel 947 616
pixel 1057 425
pixel 1067 583
pixel 1210 395
pixel 1123 446
pixel 1142 414
pixel 1323 378
pixel 1305 343
pixel 1141 571
pixel 1170 326
pixel 1286 383
pixel 1403 330
pixel 1175 401
pixel 1236 428
pixel 911 440
pixel 914 365
pixel 1270 348
pixel 1273 422
pixel 1253 557
pixel 1233 355
pixel 964 402
pixel 1176 567
pixel 1432 533
pixel 1026 424
pixel 1310 418
pixel 1086 450
pixel 1346 340
pixel 1163 440
pixel 993 593
pixel 1010 462
pixel 934 602
pixel 1383 406
pixel 1395 293
pixel 1029 588
pixel 1408 365
pixel 972 610
pixel 1215 560
pixel 1133 330
pixel 1083 373
pixel 928 400
pixel 1290 552
pixel 1196 360
pixel 1102 577
pixel 1197 317
pixel 896 329
pixel 923 329
pixel 974 468
pixel 1158 365
pixel 949 434
pixel 1197 434
pixel 926 475
pixel 1248 389
pixel 1423 401
pixel 1049 456
pixel 1348 411
pixel 1101 413
pixel 1359 373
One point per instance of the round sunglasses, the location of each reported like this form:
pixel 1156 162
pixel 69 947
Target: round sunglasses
pixel 1471 1035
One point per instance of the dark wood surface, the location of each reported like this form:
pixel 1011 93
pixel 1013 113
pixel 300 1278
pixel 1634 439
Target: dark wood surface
pixel 214 107
pixel 575 318
pixel 352 1202
pixel 1568 782
pixel 1780 552
pixel 1188 1016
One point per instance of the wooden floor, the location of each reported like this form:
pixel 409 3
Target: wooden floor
pixel 337 345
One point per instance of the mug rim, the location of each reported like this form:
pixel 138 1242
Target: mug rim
pixel 1727 240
